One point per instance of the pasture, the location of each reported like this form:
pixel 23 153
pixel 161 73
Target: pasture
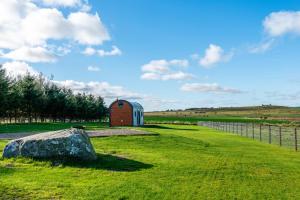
pixel 253 114
pixel 182 161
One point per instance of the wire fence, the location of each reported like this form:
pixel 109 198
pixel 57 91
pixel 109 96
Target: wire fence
pixel 272 134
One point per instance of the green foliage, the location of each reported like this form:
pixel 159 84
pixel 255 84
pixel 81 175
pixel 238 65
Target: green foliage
pixel 30 97
pixel 4 87
pixel 182 162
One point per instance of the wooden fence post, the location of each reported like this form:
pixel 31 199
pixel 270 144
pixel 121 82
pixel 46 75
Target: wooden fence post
pixel 253 131
pixel 280 138
pixel 241 129
pixel 296 142
pixel 270 135
pixel 260 132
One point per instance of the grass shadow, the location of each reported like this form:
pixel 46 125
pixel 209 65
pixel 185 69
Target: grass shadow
pixel 165 127
pixel 104 161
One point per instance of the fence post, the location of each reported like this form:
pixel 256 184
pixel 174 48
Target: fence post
pixel 260 132
pixel 270 135
pixel 253 131
pixel 246 129
pixel 280 138
pixel 241 129
pixel 296 145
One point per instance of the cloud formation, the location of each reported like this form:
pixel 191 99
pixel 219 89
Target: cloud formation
pixel 103 89
pixel 15 69
pixel 213 55
pixel 27 28
pixel 30 54
pixel 93 69
pixel 262 47
pixel 63 3
pixel 89 51
pixel 163 70
pixel 207 87
pixel 281 23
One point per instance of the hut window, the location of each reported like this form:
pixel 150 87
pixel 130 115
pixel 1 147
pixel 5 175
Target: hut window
pixel 120 104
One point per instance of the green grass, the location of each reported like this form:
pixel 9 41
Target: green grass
pixel 182 162
pixel 42 127
pixel 194 119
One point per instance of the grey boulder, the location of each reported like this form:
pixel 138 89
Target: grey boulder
pixel 70 143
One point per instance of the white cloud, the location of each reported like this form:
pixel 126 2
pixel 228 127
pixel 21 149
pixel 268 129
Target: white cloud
pixel 213 55
pixel 283 22
pixel 64 3
pixel 178 62
pixel 156 66
pixel 89 51
pixel 163 66
pixel 33 54
pixel 114 52
pixel 16 69
pixel 25 24
pixel 207 87
pixel 169 76
pixel 263 47
pixel 87 29
pixel 163 70
pixel 150 76
pixel 177 76
pixel 103 89
pixel 93 69
pixel 195 56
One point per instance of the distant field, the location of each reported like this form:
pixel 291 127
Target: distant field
pixel 181 162
pixel 257 114
pixel 42 127
pixel 194 119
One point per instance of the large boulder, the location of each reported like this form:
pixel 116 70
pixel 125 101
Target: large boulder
pixel 70 143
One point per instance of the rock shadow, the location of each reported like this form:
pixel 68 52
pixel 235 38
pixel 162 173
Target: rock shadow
pixel 106 162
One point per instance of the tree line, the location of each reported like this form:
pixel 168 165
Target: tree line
pixel 36 99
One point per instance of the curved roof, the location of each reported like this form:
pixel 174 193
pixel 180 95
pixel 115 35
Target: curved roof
pixel 136 105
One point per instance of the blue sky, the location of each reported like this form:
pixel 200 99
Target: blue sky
pixel 167 54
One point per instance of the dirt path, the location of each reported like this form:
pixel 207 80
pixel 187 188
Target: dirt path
pixel 99 133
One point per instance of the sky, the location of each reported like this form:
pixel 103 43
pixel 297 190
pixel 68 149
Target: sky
pixel 165 54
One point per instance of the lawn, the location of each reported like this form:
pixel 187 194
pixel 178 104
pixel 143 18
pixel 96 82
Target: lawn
pixel 42 127
pixel 181 162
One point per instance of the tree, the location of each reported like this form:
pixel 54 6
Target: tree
pixel 4 86
pixel 35 97
pixel 31 96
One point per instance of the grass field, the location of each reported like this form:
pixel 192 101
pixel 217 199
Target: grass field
pixel 257 114
pixel 42 127
pixel 194 119
pixel 182 162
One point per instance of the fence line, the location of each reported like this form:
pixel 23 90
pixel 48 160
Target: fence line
pixel 272 134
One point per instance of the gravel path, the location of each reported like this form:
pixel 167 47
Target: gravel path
pixel 99 133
